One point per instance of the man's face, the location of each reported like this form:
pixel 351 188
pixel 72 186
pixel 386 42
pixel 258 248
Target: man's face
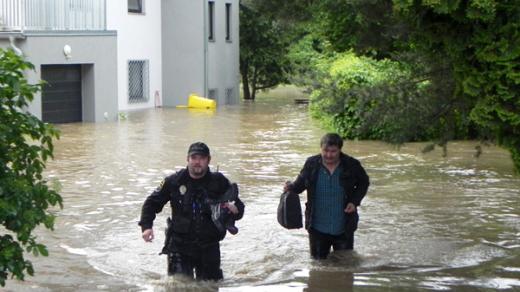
pixel 330 154
pixel 198 165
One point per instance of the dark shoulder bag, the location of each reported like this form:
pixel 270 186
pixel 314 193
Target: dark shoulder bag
pixel 290 211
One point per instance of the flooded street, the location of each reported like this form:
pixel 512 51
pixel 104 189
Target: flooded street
pixel 427 222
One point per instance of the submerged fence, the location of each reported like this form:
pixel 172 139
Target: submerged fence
pixel 52 15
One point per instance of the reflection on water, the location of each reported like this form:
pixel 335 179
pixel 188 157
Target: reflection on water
pixel 427 222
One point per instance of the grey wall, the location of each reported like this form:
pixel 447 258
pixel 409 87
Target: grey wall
pixel 183 48
pixel 96 52
pixel 88 90
pixel 223 56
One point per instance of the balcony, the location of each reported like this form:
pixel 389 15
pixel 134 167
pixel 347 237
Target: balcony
pixel 52 15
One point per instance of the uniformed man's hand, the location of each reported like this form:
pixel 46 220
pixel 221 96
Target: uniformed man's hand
pixel 148 235
pixel 231 207
pixel 350 208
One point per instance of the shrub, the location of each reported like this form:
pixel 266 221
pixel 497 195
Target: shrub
pixel 25 146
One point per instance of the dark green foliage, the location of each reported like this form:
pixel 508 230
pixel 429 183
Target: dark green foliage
pixel 263 61
pixel 476 44
pixel 309 60
pixel 362 25
pixel 291 14
pixel 460 63
pixel 25 146
pixel 367 99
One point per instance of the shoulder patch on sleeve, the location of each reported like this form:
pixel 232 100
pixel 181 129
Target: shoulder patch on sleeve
pixel 161 185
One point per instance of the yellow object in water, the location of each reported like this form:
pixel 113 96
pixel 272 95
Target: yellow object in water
pixel 195 101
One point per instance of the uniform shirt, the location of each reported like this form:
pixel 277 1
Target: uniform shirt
pixel 329 202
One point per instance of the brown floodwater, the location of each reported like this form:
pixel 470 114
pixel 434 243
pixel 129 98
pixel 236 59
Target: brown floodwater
pixel 428 222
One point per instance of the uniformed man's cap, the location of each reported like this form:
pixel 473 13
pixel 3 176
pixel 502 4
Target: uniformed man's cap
pixel 198 148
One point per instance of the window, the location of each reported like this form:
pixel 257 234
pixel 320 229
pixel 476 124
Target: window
pixel 228 21
pixel 135 6
pixel 211 20
pixel 213 93
pixel 230 98
pixel 138 81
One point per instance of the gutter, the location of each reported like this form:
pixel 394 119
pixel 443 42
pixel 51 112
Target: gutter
pixel 205 42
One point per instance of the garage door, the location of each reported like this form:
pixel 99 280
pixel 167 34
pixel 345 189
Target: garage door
pixel 61 96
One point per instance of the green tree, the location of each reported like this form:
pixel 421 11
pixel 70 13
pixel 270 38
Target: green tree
pixel 362 98
pixel 462 60
pixel 25 146
pixel 294 16
pixel 263 61
pixel 476 42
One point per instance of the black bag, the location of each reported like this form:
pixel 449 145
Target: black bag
pixel 290 211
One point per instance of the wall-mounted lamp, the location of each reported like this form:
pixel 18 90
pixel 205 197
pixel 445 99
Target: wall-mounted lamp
pixel 67 51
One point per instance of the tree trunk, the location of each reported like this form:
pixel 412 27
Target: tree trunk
pixel 245 79
pixel 245 86
pixel 253 85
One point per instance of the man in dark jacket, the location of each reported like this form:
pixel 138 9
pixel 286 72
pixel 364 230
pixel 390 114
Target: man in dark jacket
pixel 192 241
pixel 335 183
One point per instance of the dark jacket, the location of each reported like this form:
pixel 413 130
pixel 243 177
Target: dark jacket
pixel 353 179
pixel 191 215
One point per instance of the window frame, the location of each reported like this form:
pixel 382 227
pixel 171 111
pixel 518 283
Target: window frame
pixel 143 80
pixel 213 94
pixel 211 21
pixel 228 22
pixel 140 4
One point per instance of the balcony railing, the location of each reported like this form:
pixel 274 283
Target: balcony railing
pixel 52 15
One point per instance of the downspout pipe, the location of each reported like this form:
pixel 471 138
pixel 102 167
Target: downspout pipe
pixel 205 41
pixel 17 50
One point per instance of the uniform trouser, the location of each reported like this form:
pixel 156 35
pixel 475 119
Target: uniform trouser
pixel 205 261
pixel 320 243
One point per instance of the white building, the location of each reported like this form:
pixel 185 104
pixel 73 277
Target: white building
pixel 101 57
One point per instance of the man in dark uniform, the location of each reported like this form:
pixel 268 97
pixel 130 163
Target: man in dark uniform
pixel 335 183
pixel 192 241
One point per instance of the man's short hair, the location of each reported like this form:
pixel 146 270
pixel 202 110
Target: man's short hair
pixel 331 139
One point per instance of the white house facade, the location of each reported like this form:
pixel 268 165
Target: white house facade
pixel 102 57
pixel 139 71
